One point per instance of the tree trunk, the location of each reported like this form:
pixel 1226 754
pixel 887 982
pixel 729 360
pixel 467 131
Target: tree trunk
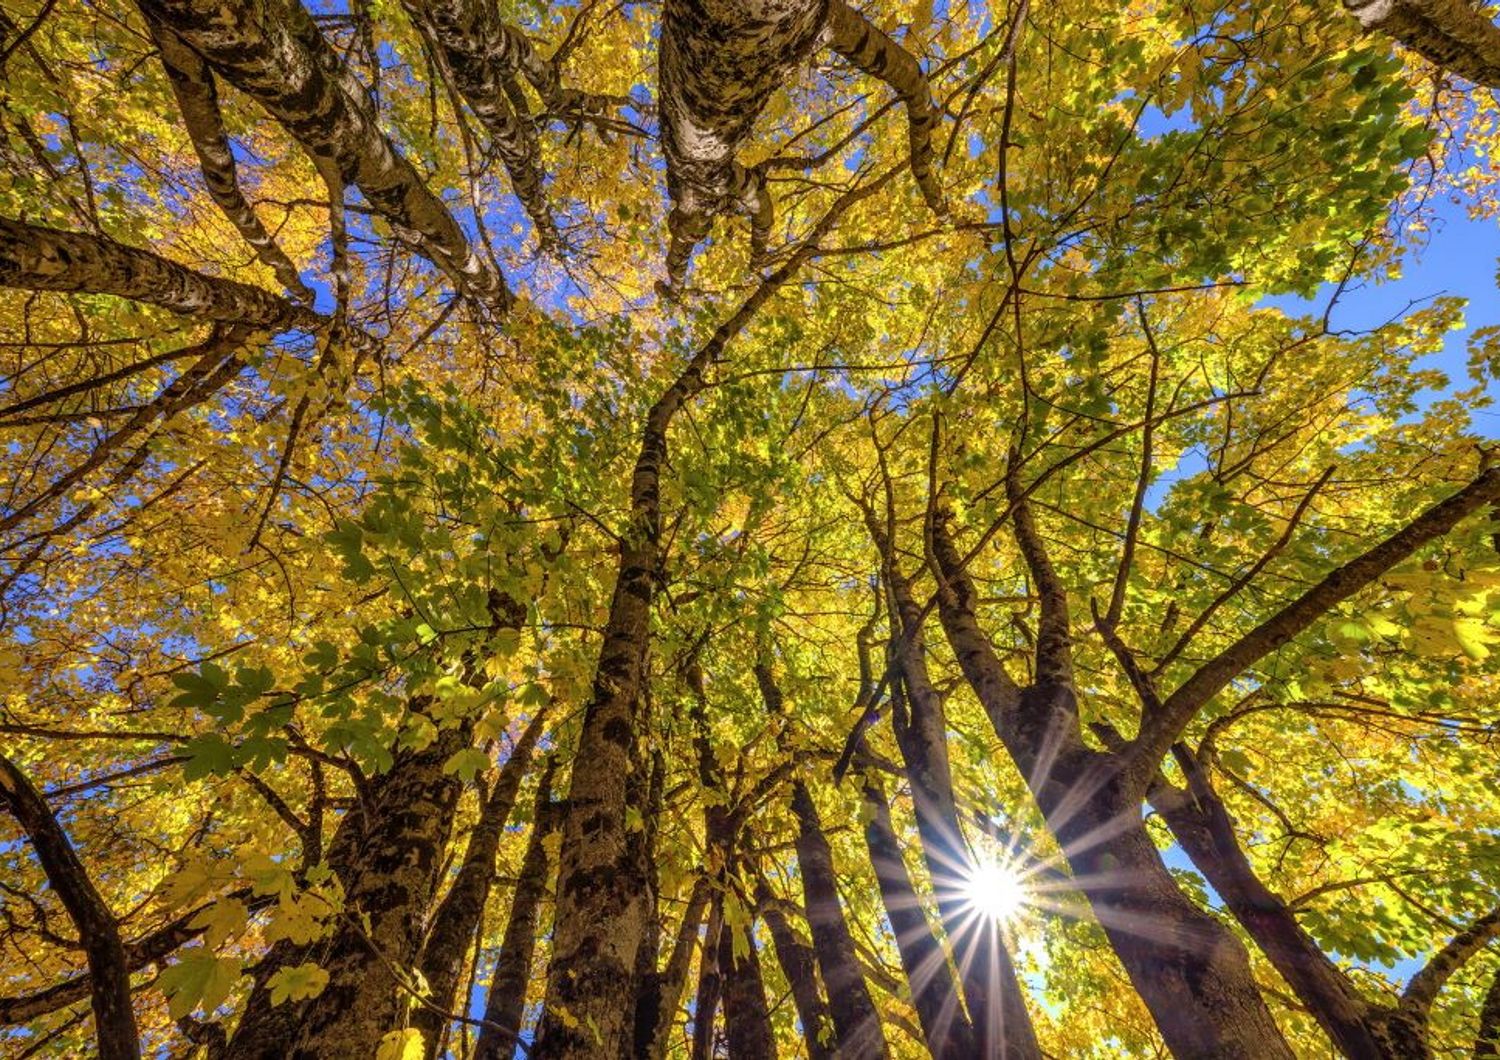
pixel 747 1021
pixel 505 1005
pixel 718 64
pixel 458 914
pixel 1457 35
pixel 45 259
pixel 393 886
pixel 856 1021
pixel 198 101
pixel 98 930
pixel 673 978
pixel 992 990
pixel 1205 832
pixel 473 44
pixel 1192 973
pixel 272 51
pixel 949 1034
pixel 800 966
pixel 1487 1042
pixel 710 984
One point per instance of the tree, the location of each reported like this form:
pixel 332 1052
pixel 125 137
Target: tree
pixel 1012 617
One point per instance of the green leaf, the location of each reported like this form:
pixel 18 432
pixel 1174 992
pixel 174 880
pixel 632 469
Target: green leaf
pixel 297 984
pixel 198 978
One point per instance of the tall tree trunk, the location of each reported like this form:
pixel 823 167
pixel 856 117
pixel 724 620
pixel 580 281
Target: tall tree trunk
pixel 710 983
pixel 1193 974
pixel 1203 828
pixel 992 990
pixel 380 931
pixel 600 910
pixel 506 1002
pixel 949 1034
pixel 1487 1041
pixel 198 101
pixel 747 1021
pixel 453 923
pixel 800 966
pixel 272 51
pixel 98 930
pixel 856 1021
pixel 672 981
pixel 45 259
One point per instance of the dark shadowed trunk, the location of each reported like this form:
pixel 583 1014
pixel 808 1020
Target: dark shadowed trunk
pixel 949 1034
pixel 651 1043
pixel 710 984
pixel 98 930
pixel 747 1021
pixel 800 966
pixel 1487 1041
pixel 453 923
pixel 505 1004
pixel 855 1019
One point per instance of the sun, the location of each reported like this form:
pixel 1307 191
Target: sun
pixel 994 891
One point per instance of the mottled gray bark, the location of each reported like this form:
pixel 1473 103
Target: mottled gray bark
pixel 718 64
pixel 272 51
pixel 98 931
pixel 1457 35
pixel 453 923
pixel 46 259
pixel 601 906
pixel 198 102
pixel 478 49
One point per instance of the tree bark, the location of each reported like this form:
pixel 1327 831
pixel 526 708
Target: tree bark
pixel 198 101
pixel 747 1021
pixel 98 930
pixel 1205 831
pixel 1487 1041
pixel 46 259
pixel 800 966
pixel 1193 974
pixel 710 984
pixel 856 1021
pixel 476 46
pixel 505 1005
pixel 673 978
pixel 949 1034
pixel 1454 34
pixel 273 52
pixel 454 921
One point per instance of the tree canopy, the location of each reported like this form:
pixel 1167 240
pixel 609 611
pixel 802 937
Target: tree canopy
pixel 757 528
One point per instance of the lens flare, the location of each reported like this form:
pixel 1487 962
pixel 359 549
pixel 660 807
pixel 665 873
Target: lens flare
pixel 994 891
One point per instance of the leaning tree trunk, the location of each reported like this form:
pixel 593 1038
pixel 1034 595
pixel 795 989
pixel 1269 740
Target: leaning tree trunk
pixel 652 1040
pixel 198 102
pixel 1457 35
pixel 506 1002
pixel 856 1021
pixel 718 64
pixel 45 259
pixel 272 51
pixel 98 931
pixel 799 964
pixel 949 1034
pixel 458 914
pixel 1193 974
